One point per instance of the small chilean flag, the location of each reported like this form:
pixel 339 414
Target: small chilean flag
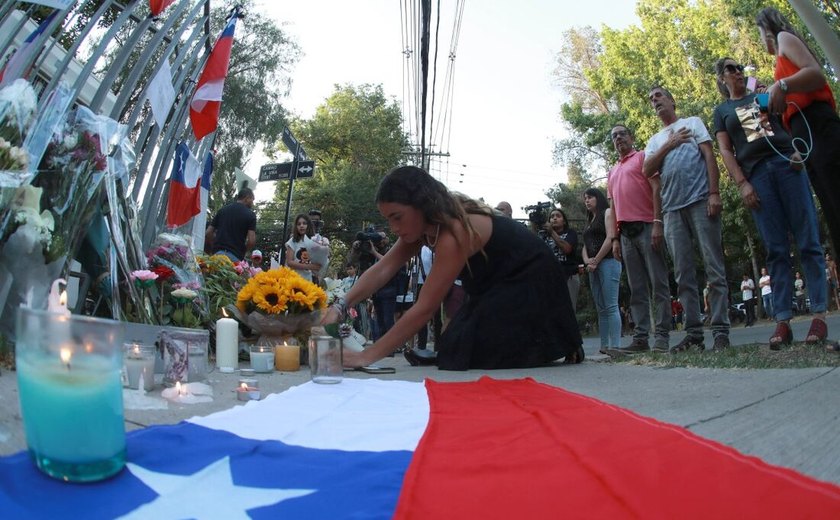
pixel 157 6
pixel 207 99
pixel 184 189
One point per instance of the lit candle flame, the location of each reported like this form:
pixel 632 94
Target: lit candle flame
pixel 62 298
pixel 65 354
pixel 178 387
pixel 244 386
pixel 225 314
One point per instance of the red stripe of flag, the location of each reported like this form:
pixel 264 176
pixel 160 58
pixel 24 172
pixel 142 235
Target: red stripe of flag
pixel 521 449
pixel 157 6
pixel 207 99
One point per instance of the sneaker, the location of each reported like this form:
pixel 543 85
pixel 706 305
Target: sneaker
pixel 689 343
pixel 660 346
pixel 721 343
pixel 638 346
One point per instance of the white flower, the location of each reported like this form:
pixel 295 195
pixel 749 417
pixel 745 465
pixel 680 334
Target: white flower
pixel 183 293
pixel 23 101
pixel 71 140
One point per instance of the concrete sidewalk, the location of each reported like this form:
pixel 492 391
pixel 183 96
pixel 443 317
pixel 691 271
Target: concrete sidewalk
pixel 786 417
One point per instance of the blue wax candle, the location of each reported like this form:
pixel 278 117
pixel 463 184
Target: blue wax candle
pixel 72 413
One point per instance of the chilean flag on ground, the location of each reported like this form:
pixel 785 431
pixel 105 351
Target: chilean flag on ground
pixel 394 449
pixel 207 99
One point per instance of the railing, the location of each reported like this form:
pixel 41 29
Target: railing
pixel 117 48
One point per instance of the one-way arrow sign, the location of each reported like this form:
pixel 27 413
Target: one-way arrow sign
pixel 305 169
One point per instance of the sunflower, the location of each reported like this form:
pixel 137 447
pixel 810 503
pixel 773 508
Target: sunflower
pixel 280 291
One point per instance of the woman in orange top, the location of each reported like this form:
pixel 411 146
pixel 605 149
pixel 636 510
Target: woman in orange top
pixel 801 94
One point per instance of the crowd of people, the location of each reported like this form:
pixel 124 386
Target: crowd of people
pixel 511 293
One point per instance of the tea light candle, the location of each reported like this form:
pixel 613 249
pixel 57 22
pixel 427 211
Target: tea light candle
pixel 227 344
pixel 247 393
pixel 287 357
pixel 139 363
pixel 262 358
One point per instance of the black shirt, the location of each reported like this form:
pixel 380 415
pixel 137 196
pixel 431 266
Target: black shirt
pixel 232 224
pixel 749 130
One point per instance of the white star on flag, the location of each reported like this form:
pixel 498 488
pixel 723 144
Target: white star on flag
pixel 186 496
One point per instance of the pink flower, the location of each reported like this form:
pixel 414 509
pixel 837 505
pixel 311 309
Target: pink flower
pixel 143 275
pixel 352 313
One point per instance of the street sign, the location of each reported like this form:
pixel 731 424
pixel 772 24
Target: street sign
pixel 276 171
pixel 293 145
pixel 305 169
pixel 283 171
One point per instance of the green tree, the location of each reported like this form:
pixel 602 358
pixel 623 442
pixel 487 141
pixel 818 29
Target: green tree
pixel 355 137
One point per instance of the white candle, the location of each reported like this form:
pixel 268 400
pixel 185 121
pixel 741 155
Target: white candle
pixel 262 359
pixel 140 365
pixel 227 344
pixel 57 300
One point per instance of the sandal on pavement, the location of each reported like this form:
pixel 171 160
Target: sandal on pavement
pixel 817 332
pixel 832 346
pixel 781 336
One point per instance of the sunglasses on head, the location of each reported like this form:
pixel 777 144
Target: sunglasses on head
pixel 732 69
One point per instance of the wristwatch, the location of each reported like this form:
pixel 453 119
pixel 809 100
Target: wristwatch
pixel 783 85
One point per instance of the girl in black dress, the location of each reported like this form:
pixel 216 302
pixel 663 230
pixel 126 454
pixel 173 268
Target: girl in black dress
pixel 514 316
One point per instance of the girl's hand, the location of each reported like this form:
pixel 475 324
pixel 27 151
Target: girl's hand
pixel 353 359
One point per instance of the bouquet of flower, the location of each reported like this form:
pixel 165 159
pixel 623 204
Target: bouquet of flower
pixel 223 279
pixel 279 303
pixel 17 113
pixel 171 287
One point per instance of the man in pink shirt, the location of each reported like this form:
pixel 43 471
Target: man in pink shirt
pixel 635 203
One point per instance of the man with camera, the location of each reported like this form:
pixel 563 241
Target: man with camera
pixel 635 201
pixel 368 248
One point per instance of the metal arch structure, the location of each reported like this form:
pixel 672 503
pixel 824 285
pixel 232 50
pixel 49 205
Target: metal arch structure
pixel 108 66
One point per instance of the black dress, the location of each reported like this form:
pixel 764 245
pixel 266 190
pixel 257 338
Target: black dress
pixel 514 316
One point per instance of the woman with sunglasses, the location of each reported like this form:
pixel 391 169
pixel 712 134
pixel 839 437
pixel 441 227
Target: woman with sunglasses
pixel 761 160
pixel 809 112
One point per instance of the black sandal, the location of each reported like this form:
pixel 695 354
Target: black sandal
pixel 417 357
pixel 575 358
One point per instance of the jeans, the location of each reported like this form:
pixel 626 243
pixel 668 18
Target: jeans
pixel 787 206
pixel 604 284
pixel 385 305
pixel 647 275
pixel 573 284
pixel 767 299
pixel 682 228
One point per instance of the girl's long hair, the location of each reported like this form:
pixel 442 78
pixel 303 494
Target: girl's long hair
pixel 774 22
pixel 601 204
pixel 297 237
pixel 412 186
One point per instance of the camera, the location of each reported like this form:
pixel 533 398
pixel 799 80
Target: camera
pixel 538 213
pixel 368 236
pixel 365 241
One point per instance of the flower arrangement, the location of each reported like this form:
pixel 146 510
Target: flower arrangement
pixel 280 292
pixel 279 303
pixel 171 289
pixel 223 279
pixel 17 110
